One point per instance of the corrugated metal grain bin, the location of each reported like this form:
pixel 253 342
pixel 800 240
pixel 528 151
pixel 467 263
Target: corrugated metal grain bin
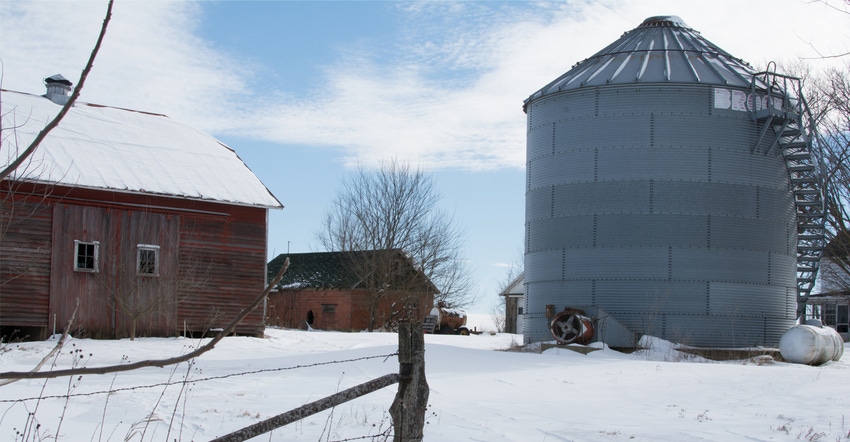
pixel 645 196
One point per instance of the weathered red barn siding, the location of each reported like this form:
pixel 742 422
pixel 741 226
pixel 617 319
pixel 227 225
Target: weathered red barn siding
pixel 115 293
pixel 288 308
pixel 25 243
pixel 228 256
pixel 219 251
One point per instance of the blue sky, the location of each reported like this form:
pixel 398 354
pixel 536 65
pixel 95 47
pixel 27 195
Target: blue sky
pixel 305 91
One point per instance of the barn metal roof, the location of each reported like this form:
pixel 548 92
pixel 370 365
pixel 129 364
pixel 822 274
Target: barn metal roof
pixel 101 147
pixel 314 270
pixel 334 270
pixel 663 49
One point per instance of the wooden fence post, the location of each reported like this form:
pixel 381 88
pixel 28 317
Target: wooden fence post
pixel 308 409
pixel 411 401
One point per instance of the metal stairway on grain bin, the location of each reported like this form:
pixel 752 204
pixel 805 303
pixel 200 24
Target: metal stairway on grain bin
pixel 781 107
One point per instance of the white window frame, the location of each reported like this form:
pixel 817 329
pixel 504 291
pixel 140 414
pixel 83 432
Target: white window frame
pixel 148 248
pixel 95 258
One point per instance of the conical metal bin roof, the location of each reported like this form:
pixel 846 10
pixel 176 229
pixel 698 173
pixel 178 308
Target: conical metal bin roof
pixel 663 49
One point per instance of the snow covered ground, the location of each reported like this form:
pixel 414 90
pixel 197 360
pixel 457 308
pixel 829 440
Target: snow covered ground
pixel 478 393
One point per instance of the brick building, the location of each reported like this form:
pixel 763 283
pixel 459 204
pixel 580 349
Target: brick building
pixel 332 289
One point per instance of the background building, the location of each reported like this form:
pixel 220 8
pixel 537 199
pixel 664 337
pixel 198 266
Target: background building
pixel 152 226
pixel 335 287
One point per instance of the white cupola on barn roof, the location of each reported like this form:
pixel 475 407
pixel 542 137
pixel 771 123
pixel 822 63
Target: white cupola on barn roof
pixel 57 89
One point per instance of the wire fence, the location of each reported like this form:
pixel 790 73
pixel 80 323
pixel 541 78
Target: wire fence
pixel 196 381
pixel 407 410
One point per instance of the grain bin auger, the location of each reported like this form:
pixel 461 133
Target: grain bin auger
pixel 782 108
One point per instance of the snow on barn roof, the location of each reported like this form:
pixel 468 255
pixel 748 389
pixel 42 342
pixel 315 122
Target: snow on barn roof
pixel 123 150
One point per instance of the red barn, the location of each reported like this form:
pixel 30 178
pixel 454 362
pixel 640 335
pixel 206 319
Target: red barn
pixel 334 291
pixel 153 227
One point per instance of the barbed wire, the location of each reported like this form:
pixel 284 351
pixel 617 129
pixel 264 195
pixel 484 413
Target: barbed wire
pixel 194 381
pixel 386 434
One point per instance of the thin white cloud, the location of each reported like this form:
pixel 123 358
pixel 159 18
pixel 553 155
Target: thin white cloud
pixel 447 93
pixel 150 60
pixel 452 98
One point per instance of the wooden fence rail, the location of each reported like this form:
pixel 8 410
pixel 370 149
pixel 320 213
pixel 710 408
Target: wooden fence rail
pixel 407 410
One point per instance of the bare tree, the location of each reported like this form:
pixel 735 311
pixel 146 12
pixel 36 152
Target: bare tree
pixel 831 108
pixel 394 209
pixel 396 288
pixel 499 311
pixel 837 6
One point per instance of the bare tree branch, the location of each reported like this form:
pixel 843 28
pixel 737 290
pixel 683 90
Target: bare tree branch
pixel 821 56
pixel 828 4
pixel 394 210
pixel 55 122
pixel 831 6
pixel 831 108
pixel 155 362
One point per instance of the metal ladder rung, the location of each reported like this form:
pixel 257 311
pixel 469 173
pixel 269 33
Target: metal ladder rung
pixel 796 156
pixel 789 131
pixel 774 113
pixel 806 191
pixel 804 180
pixel 801 168
pixel 798 144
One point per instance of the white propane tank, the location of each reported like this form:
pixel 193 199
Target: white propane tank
pixel 812 345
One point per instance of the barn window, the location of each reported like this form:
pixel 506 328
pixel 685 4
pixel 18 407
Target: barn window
pixel 147 260
pixel 328 308
pixel 85 256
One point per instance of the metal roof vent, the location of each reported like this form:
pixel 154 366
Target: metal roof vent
pixel 57 89
pixel 664 21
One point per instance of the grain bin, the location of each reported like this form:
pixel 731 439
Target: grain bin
pixel 660 189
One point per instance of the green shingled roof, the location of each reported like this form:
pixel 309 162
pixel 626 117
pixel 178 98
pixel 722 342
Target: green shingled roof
pixel 326 269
